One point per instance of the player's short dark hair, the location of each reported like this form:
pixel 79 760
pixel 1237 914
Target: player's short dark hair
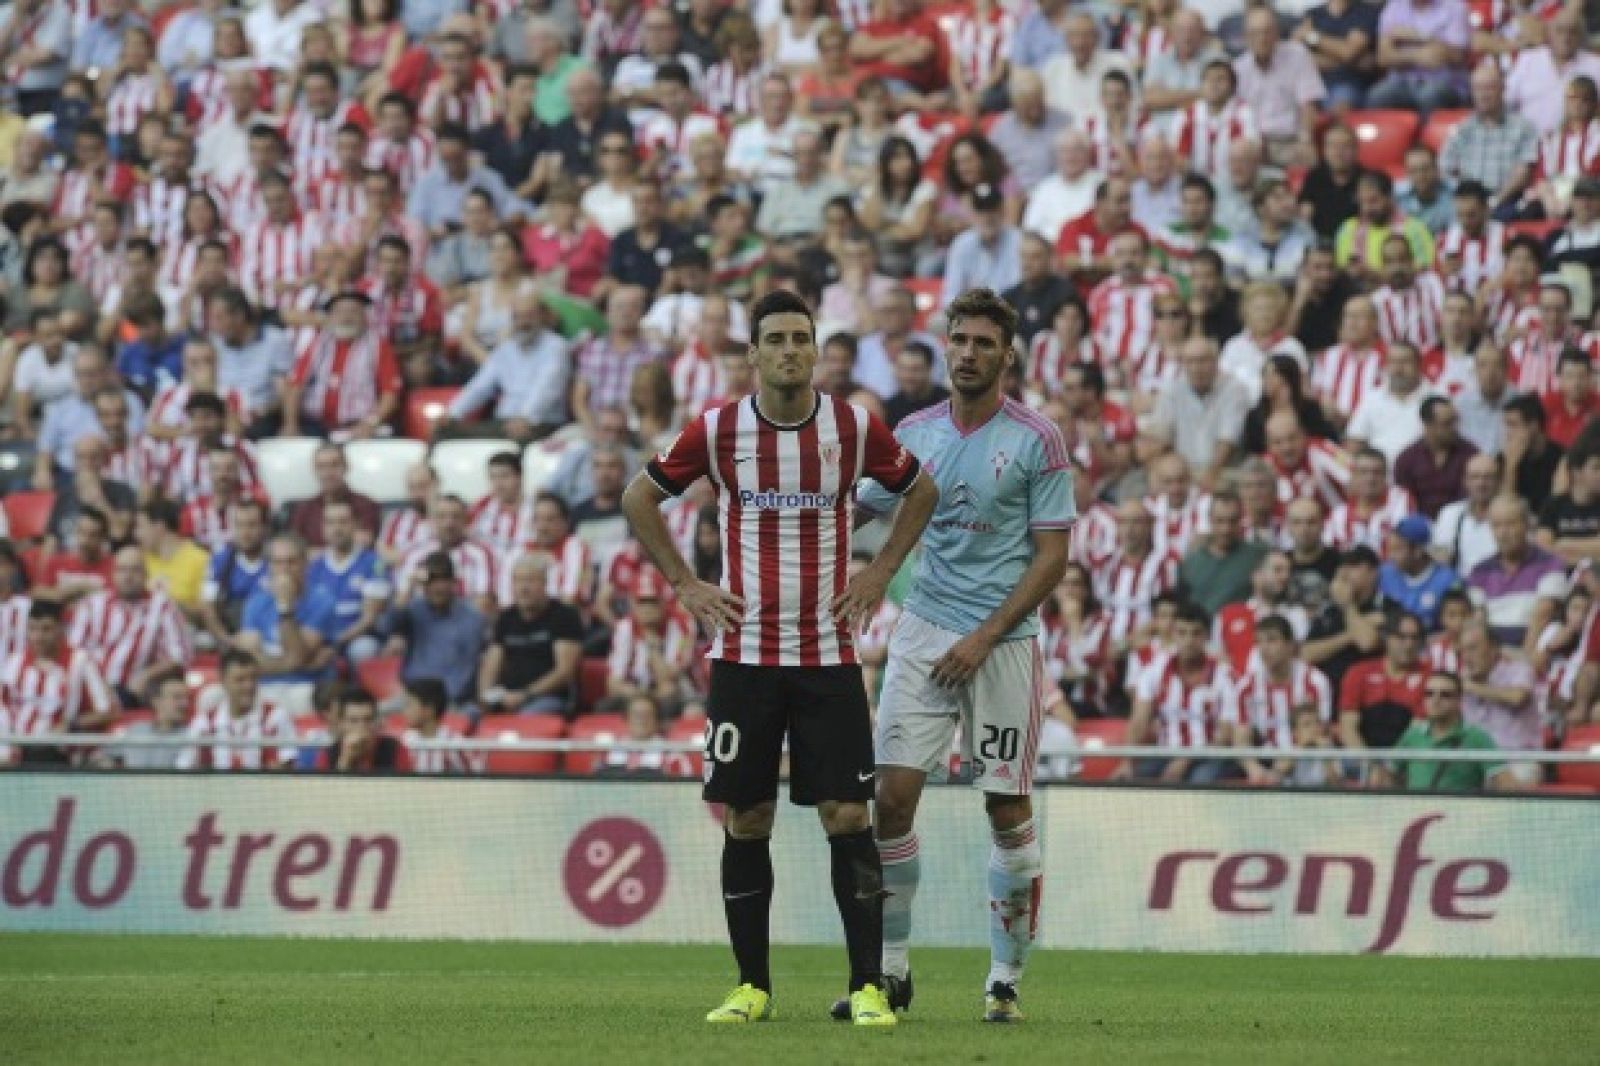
pixel 1189 611
pixel 1472 190
pixel 778 302
pixel 1526 407
pixel 1200 182
pixel 557 501
pixel 430 692
pixel 1276 624
pixel 1430 407
pixel 236 657
pixel 985 303
pixel 161 511
pixel 1094 379
pixel 396 242
pixel 675 72
pixel 208 402
pixel 506 461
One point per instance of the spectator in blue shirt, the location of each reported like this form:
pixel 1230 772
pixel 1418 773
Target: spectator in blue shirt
pixel 155 359
pixel 236 572
pixel 353 579
pixel 302 650
pixel 987 256
pixel 440 192
pixel 440 634
pixel 74 416
pixel 99 45
pixel 1411 578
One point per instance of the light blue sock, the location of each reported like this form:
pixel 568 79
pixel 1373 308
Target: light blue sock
pixel 902 869
pixel 1016 886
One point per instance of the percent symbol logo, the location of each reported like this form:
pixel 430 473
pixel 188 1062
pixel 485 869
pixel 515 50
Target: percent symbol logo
pixel 615 871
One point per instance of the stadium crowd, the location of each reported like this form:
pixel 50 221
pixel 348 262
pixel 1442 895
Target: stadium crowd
pixel 1309 290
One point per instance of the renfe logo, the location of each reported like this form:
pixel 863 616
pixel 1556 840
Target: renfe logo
pixel 1251 883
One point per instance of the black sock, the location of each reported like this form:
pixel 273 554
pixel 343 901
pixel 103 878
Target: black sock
pixel 858 889
pixel 747 901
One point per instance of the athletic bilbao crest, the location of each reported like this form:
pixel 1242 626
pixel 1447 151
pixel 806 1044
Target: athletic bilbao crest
pixel 830 454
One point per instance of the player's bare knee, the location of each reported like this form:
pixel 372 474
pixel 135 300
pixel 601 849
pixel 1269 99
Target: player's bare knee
pixel 1007 812
pixel 898 795
pixel 838 818
pixel 752 823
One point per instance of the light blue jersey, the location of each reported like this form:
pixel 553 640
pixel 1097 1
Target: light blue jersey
pixel 997 484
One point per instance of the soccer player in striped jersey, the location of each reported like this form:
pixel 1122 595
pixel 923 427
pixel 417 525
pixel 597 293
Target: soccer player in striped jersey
pixel 784 463
pixel 966 652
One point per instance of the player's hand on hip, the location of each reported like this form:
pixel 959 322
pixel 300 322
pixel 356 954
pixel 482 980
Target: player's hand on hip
pixel 961 663
pixel 711 605
pixel 861 597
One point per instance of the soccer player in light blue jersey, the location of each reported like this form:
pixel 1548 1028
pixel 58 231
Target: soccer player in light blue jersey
pixel 965 652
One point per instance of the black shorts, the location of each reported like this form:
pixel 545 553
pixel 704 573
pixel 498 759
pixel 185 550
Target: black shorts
pixel 821 709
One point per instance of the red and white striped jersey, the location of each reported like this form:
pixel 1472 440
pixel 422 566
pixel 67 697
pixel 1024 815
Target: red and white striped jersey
pixel 1094 537
pixel 630 653
pixel 503 528
pixel 474 106
pixel 343 380
pixel 1126 588
pixel 1186 711
pixel 338 198
pixel 126 636
pixel 1510 314
pixel 158 212
pixel 1144 44
pixel 180 260
pixel 1177 524
pixel 208 95
pixel 49 695
pixel 1480 257
pixel 1205 136
pixel 170 407
pixel 1086 656
pixel 79 189
pixel 402 532
pixel 1152 368
pixel 214 719
pixel 273 256
pixel 1048 360
pixel 1533 359
pixel 412 760
pixel 205 521
pixel 729 93
pixel 312 140
pixel 242 204
pixel 14 626
pixel 785 497
pixel 1124 315
pixel 1140 661
pixel 98 268
pixel 1346 528
pixel 136 463
pixel 1442 654
pixel 407 313
pixel 697 378
pixel 188 473
pixel 1565 153
pixel 662 135
pixel 1341 376
pixel 132 98
pixel 1412 315
pixel 1252 697
pixel 854 14
pixel 1112 146
pixel 980 47
pixel 1323 475
pixel 355 235
pixel 406 160
pixel 569 576
pixel 474 563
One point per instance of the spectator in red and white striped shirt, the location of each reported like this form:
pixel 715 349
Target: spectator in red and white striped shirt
pixel 1373 508
pixel 652 646
pixel 313 124
pixel 571 568
pixel 503 519
pixel 208 519
pixel 406 529
pixel 134 634
pixel 407 310
pixel 400 147
pixel 980 57
pixel 1134 575
pixel 275 254
pixel 237 709
pixel 1469 254
pixel 1259 702
pixel 1305 467
pixel 345 378
pixel 426 704
pixel 1410 304
pixel 1345 373
pixel 1123 306
pixel 1177 508
pixel 474 561
pixel 51 687
pixel 1179 705
pixel 338 194
pixel 464 91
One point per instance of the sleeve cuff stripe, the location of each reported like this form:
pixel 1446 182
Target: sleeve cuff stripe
pixel 909 480
pixel 653 470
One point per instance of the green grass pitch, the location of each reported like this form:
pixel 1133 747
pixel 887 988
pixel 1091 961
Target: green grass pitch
pixel 238 1000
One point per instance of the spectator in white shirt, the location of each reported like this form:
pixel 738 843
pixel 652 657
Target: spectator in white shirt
pixel 762 151
pixel 1067 193
pixel 1390 418
pixel 1072 78
pixel 1540 75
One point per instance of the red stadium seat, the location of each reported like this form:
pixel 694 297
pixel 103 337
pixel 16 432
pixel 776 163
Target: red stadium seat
pixel 380 676
pixel 1583 738
pixel 1538 229
pixel 513 727
pixel 593 727
pixel 1096 733
pixel 1440 123
pixel 686 729
pixel 28 513
pixel 457 723
pixel 928 294
pixel 1480 14
pixel 593 676
pixel 1382 138
pixel 424 409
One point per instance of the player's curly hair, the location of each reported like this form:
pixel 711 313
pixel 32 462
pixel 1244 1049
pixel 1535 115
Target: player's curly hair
pixel 985 303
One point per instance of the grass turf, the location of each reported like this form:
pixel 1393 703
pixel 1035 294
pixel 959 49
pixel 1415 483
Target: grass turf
pixel 227 1000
